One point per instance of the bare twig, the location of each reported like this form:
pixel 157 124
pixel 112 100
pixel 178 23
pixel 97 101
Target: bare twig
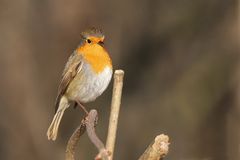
pixel 72 142
pixel 157 150
pixel 91 120
pixel 115 107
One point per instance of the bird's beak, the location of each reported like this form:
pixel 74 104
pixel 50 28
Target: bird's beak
pixel 101 43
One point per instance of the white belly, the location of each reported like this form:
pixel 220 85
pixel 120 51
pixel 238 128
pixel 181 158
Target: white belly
pixel 87 86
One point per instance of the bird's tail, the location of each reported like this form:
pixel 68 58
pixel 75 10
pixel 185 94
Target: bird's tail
pixel 53 128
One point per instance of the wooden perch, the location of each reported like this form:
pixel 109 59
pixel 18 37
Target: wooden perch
pixel 157 150
pixel 88 124
pixel 115 107
pixel 91 120
pixel 72 142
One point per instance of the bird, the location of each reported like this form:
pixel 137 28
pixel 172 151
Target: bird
pixel 85 77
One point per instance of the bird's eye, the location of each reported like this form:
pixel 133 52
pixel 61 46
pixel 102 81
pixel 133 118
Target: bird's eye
pixel 89 41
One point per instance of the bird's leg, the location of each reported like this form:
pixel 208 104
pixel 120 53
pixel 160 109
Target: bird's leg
pixel 84 109
pixel 75 105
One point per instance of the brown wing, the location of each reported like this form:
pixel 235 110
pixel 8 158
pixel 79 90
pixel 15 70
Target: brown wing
pixel 72 67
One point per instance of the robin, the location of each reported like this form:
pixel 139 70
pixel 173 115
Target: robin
pixel 86 75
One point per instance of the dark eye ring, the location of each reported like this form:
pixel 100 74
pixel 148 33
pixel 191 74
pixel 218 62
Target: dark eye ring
pixel 89 41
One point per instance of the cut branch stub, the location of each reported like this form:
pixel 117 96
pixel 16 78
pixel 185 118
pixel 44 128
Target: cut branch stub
pixel 158 149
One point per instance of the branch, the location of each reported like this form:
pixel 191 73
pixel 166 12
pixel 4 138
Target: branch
pixel 157 150
pixel 91 121
pixel 115 107
pixel 73 140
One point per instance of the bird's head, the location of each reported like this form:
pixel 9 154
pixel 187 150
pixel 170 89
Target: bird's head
pixel 92 36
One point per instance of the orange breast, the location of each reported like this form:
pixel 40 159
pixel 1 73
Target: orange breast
pixel 96 56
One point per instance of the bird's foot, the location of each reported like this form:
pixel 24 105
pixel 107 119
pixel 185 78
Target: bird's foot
pixel 82 106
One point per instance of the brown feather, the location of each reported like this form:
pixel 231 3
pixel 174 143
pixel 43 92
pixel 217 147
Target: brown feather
pixel 71 69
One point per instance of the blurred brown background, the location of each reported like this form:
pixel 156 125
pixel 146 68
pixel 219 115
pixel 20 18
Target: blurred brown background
pixel 182 76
